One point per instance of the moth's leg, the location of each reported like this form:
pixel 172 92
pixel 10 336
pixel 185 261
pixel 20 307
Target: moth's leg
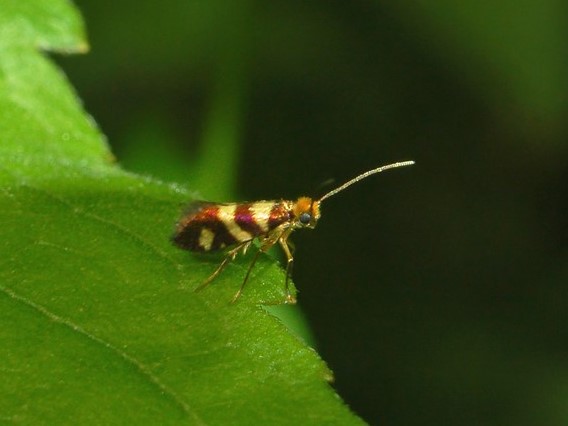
pixel 265 243
pixel 238 293
pixel 288 249
pixel 231 254
pixel 291 246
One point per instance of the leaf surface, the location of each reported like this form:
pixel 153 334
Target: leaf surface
pixel 99 322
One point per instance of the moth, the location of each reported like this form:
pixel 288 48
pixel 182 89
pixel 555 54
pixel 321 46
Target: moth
pixel 210 227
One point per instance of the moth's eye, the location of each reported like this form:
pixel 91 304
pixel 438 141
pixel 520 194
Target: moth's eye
pixel 305 218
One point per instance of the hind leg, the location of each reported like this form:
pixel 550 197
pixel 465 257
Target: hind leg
pixel 231 254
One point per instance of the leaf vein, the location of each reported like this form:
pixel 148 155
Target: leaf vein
pixel 140 366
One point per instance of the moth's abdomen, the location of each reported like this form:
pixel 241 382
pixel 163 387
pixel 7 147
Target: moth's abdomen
pixel 213 226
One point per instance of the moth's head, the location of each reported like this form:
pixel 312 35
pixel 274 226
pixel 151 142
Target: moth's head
pixel 306 213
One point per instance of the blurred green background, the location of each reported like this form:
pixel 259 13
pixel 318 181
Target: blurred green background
pixel 438 294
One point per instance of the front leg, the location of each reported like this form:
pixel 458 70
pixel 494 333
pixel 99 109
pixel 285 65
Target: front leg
pixel 280 235
pixel 288 249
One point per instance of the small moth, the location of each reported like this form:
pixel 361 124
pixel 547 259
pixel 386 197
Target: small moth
pixel 210 227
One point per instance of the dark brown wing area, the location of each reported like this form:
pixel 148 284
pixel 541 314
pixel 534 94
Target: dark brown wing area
pixel 201 229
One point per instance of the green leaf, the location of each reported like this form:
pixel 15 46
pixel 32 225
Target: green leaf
pixel 99 322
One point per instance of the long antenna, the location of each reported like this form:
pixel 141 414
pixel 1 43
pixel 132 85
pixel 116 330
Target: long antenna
pixel 364 175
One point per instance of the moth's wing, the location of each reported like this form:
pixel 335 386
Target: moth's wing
pixel 201 228
pixel 210 226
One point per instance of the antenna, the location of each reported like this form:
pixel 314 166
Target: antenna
pixel 364 175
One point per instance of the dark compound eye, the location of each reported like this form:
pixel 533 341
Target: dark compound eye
pixel 305 218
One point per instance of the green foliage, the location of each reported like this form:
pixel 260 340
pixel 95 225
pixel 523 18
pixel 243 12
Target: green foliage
pixel 520 43
pixel 441 288
pixel 98 319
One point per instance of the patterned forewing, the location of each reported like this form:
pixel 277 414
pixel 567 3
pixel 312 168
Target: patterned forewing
pixel 213 226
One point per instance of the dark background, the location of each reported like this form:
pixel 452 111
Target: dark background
pixel 437 293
